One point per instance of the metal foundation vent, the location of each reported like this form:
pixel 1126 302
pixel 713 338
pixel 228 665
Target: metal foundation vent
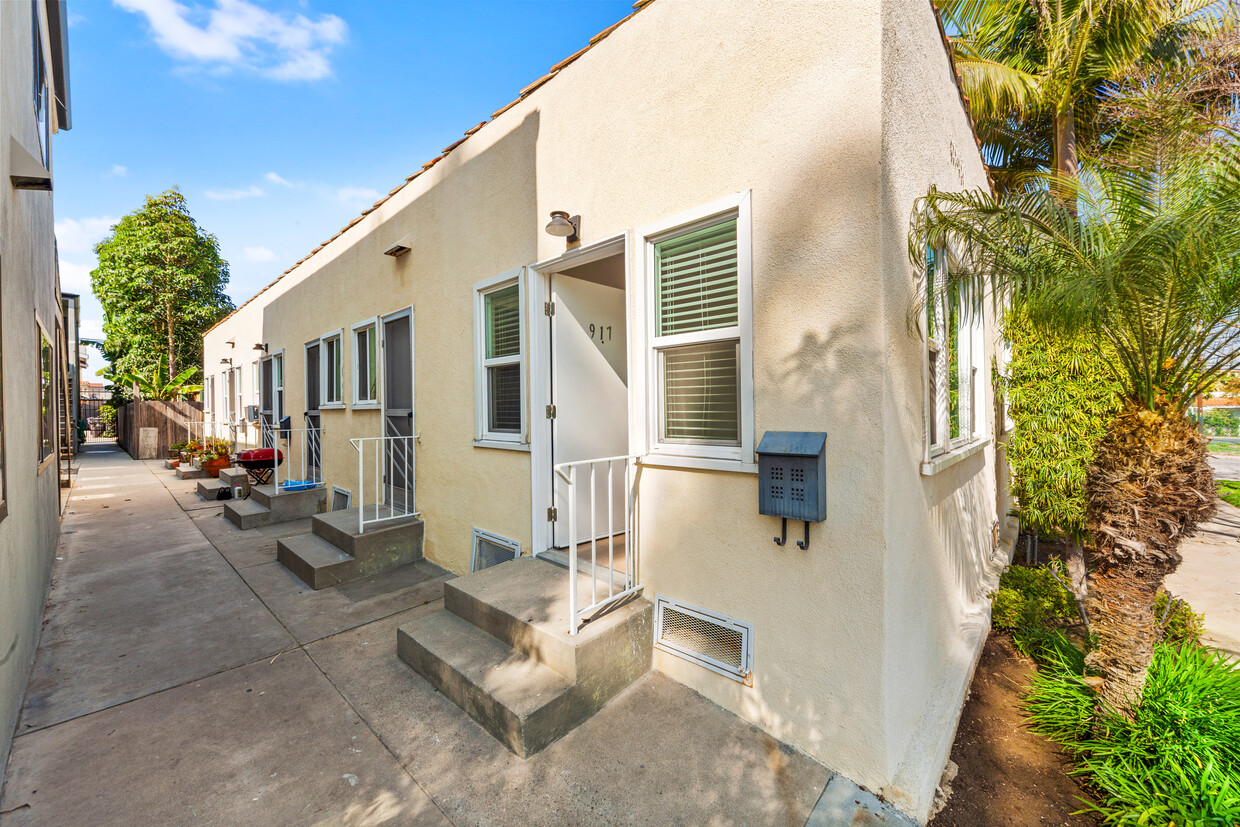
pixel 491 550
pixel 340 498
pixel 722 644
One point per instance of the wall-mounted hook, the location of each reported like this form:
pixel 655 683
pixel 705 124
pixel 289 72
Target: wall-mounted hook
pixel 804 544
pixel 779 541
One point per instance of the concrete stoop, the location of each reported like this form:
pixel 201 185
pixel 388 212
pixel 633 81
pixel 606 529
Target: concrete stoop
pixel 334 551
pixel 500 650
pixel 209 488
pixel 265 506
pixel 189 472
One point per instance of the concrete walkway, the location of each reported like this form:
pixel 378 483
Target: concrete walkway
pixel 185 677
pixel 1209 577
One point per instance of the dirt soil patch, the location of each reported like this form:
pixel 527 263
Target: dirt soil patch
pixel 1007 774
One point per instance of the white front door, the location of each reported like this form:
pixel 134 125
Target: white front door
pixel 589 389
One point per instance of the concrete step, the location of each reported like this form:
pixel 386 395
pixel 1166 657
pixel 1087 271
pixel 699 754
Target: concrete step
pixel 509 621
pixel 317 562
pixel 291 505
pixel 209 488
pixel 524 603
pixel 189 472
pixel 522 703
pixel 382 546
pixel 246 514
pixel 232 477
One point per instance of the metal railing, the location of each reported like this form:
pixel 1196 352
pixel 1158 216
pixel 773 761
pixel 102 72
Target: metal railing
pixel 626 466
pixel 199 431
pixel 303 453
pixel 393 465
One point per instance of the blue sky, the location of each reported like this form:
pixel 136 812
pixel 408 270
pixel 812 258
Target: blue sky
pixel 281 120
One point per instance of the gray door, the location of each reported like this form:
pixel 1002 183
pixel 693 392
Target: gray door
pixel 314 397
pixel 398 459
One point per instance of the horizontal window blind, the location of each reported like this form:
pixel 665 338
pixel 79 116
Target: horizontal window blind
pixel 504 395
pixel 701 392
pixel 697 280
pixel 503 319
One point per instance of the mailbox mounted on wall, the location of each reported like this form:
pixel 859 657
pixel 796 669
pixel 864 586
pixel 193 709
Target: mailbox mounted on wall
pixel 792 479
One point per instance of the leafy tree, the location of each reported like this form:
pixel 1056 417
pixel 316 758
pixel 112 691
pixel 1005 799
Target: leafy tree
pixel 1038 74
pixel 161 282
pixel 1148 267
pixel 153 386
pixel 1061 393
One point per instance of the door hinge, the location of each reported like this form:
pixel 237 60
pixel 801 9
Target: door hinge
pixel 552 514
pixel 549 308
pixel 551 412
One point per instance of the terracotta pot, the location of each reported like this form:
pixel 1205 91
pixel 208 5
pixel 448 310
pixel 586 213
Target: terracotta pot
pixel 213 466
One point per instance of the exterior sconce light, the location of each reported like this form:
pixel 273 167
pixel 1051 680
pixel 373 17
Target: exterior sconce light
pixel 562 225
pixel 262 346
pixel 226 362
pixel 399 248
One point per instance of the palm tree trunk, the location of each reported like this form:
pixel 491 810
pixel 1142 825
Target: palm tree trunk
pixel 1122 605
pixel 1067 161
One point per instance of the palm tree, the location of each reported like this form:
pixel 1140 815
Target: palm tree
pixel 1145 262
pixel 1037 72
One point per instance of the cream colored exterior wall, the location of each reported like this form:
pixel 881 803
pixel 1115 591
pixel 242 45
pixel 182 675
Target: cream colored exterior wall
pixel 30 527
pixel 688 103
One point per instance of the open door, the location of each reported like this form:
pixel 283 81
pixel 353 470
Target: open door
pixel 396 344
pixel 589 388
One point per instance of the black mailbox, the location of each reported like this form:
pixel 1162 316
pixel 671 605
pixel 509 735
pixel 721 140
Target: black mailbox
pixel 792 478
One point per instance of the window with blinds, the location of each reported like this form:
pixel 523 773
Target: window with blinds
pixel 501 363
pixel 697 335
pixel 365 365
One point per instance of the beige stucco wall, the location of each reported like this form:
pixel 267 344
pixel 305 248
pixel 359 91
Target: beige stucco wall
pixel 30 528
pixel 675 109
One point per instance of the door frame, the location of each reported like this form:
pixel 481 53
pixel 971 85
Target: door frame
pixel 380 332
pixel 538 286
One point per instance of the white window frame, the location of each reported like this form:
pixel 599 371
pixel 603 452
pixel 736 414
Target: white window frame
pixel 257 375
pixel 277 390
pixel 230 396
pixel 238 395
pixel 325 404
pixel 647 363
pixel 483 437
pixel 358 402
pixel 210 397
pixel 969 365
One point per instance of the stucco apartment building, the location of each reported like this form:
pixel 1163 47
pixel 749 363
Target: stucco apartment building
pixel 735 181
pixel 34 87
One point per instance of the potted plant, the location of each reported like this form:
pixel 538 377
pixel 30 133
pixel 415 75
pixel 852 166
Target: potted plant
pixel 174 450
pixel 216 455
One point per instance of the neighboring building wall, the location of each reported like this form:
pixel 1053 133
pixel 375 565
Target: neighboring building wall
pixel 939 526
pixel 676 109
pixel 29 528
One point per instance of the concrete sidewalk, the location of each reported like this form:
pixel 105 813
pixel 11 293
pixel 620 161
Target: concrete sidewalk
pixel 186 677
pixel 1209 577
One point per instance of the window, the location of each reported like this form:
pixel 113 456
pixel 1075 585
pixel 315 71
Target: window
pixel 209 400
pixel 271 393
pixel 41 93
pixel 954 338
pixel 330 356
pixel 699 340
pixel 47 398
pixel 257 383
pixel 278 382
pixel 499 369
pixel 365 364
pixel 237 396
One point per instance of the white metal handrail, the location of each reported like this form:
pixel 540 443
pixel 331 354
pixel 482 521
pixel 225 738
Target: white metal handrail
pixel 302 449
pixel 393 460
pixel 567 471
pixel 199 431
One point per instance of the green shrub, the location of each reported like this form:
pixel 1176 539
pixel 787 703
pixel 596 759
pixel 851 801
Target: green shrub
pixel 1031 604
pixel 1229 490
pixel 1176 762
pixel 1184 625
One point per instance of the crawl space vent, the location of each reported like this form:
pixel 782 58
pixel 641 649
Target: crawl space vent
pixel 340 498
pixel 722 644
pixel 491 550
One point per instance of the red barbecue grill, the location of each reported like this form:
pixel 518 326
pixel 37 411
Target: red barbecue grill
pixel 260 462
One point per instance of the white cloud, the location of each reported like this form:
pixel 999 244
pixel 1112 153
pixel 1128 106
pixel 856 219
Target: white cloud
pixel 234 195
pixel 276 179
pixel 357 196
pixel 258 254
pixel 117 171
pixel 75 278
pixel 74 237
pixel 90 329
pixel 239 34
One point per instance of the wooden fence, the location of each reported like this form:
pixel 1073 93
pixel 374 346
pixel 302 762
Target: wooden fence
pixel 168 418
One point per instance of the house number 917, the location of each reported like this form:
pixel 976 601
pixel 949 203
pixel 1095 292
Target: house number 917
pixel 601 332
